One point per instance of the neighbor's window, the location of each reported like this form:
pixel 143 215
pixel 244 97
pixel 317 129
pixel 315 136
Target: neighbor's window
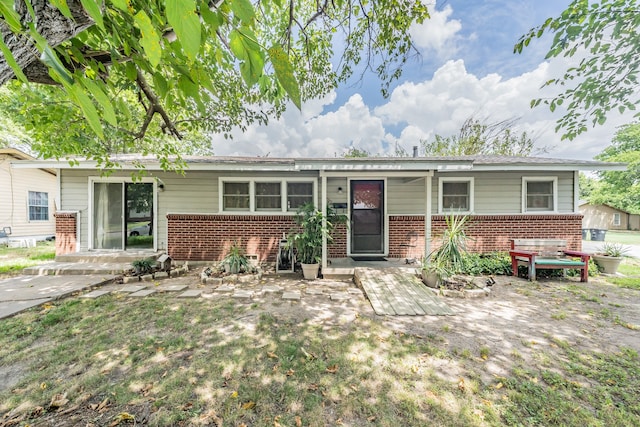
pixel 299 193
pixel 268 196
pixel 616 219
pixel 38 206
pixel 540 194
pixel 235 196
pixel 456 195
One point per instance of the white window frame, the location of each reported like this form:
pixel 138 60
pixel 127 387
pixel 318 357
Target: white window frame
pixel 617 220
pixel 252 194
pixel 29 205
pixel 442 181
pixel 527 179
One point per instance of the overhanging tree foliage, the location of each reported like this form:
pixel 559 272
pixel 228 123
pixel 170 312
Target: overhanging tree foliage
pixel 137 70
pixel 605 34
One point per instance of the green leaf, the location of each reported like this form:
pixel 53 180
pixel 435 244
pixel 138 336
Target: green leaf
pixel 8 56
pixel 107 107
pixel 62 6
pixel 150 38
pixel 9 15
pixel 50 59
pixel 243 9
pixel 245 48
pixel 93 9
pixel 160 84
pixel 88 109
pixel 131 71
pixel 123 5
pixel 182 16
pixel 284 73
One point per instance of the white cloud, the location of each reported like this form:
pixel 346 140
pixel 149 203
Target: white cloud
pixel 310 134
pixel 438 33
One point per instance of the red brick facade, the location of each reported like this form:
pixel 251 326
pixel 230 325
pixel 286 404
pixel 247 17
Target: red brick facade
pixel 209 237
pixel 487 232
pixel 66 232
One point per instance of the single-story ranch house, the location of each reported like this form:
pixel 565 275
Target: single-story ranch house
pixel 395 206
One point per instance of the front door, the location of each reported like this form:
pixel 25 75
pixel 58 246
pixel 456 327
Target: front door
pixel 367 217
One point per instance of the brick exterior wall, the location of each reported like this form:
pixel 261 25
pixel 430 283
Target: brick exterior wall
pixel 66 232
pixel 209 237
pixel 488 232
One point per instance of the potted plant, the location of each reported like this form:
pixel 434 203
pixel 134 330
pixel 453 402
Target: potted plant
pixel 235 261
pixel 449 257
pixel 610 257
pixel 434 271
pixel 307 240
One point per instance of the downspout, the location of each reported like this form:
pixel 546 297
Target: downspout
pixel 324 222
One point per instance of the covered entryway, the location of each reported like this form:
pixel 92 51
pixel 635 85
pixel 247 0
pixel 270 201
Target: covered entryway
pixel 122 215
pixel 367 217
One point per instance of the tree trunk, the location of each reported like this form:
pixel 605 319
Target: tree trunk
pixel 52 25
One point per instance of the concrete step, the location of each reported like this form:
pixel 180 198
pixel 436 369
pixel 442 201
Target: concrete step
pixel 338 273
pixel 118 257
pixel 75 269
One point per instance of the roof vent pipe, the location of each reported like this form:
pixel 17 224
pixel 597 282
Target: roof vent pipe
pixel 415 151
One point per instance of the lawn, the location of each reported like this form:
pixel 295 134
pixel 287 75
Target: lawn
pixel 163 361
pixel 624 237
pixel 13 260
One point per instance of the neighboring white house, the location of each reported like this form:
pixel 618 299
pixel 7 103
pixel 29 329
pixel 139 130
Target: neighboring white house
pixel 606 217
pixel 27 197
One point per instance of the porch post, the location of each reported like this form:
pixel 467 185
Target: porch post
pixel 427 215
pixel 324 221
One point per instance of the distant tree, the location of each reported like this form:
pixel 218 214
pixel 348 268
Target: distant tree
pixel 476 137
pixel 356 152
pixel 621 189
pixel 588 185
pixel 606 35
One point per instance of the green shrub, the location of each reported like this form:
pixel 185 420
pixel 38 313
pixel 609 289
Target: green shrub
pixel 490 263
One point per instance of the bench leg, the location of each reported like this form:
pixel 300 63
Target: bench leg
pixel 532 272
pixel 584 273
pixel 514 267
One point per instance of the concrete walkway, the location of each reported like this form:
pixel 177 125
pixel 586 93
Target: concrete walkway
pixel 591 246
pixel 23 292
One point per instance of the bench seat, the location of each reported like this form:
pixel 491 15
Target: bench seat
pixel 547 254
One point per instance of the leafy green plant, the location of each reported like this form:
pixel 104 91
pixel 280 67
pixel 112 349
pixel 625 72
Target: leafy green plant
pixel 307 240
pixel 235 260
pixel 454 243
pixel 493 263
pixel 144 265
pixel 614 249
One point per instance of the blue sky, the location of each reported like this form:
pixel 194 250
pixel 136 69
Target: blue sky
pixel 466 67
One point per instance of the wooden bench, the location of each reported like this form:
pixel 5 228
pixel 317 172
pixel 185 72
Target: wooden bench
pixel 547 254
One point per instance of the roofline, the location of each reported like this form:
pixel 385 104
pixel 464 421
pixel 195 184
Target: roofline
pixel 24 157
pixel 336 165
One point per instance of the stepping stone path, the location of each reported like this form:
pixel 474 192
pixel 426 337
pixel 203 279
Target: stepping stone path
pixel 332 291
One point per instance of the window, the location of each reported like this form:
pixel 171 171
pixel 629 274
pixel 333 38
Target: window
pixel 38 206
pixel 235 196
pixel 298 194
pixel 268 196
pixel 540 194
pixel 616 219
pixel 265 195
pixel 456 195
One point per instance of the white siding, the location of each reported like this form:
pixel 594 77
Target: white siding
pixel 405 196
pixel 15 185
